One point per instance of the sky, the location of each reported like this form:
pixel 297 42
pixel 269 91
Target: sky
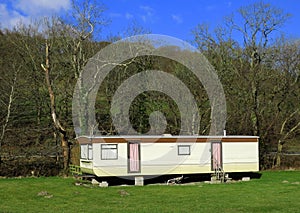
pixel 174 18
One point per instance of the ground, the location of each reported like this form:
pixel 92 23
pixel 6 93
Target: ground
pixel 275 191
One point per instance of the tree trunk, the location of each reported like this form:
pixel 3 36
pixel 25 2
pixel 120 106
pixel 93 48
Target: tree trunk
pixel 66 153
pixel 56 122
pixel 278 154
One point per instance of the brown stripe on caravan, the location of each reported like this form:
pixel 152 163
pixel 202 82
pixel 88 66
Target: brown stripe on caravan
pixel 149 140
pixel 174 140
pixel 109 140
pixel 85 140
pixel 239 140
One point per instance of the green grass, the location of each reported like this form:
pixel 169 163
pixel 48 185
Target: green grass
pixel 267 194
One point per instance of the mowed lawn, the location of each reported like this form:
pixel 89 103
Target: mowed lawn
pixel 276 191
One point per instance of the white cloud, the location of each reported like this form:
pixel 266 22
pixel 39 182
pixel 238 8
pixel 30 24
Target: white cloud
pixel 144 18
pixel 148 14
pixel 26 10
pixel 10 18
pixel 128 16
pixel 40 7
pixel 177 19
pixel 210 7
pixel 147 9
pixel 229 3
pixel 115 15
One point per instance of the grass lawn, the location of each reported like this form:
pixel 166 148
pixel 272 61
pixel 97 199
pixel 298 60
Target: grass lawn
pixel 275 191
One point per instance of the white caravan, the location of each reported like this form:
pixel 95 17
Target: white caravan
pixel 144 155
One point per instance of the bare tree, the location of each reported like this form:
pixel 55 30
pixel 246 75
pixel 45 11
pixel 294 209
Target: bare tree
pixel 286 60
pixel 85 22
pixel 257 23
pixel 9 104
pixel 240 51
pixel 86 17
pixel 56 121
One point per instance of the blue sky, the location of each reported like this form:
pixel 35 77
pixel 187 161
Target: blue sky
pixel 175 18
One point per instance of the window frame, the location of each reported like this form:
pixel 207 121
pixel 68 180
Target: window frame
pixel 88 148
pixel 90 152
pixel 102 149
pixel 84 147
pixel 183 146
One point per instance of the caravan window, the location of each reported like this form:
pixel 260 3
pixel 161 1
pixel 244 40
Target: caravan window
pixel 109 151
pixel 86 151
pixel 184 149
pixel 83 151
pixel 90 151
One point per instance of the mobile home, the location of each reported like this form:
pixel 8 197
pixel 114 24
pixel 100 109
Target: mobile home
pixel 143 155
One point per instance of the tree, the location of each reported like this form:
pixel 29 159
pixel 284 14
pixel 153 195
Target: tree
pixel 9 105
pixel 62 131
pixel 258 22
pixel 286 61
pixel 74 34
pixel 13 98
pixel 240 51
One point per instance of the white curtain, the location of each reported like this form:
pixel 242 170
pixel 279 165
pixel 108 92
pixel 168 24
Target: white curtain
pixel 216 147
pixel 134 161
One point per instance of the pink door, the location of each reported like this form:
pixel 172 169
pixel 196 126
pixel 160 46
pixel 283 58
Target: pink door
pixel 134 156
pixel 216 155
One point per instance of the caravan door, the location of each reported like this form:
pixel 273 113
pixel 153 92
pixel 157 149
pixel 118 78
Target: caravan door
pixel 216 156
pixel 134 157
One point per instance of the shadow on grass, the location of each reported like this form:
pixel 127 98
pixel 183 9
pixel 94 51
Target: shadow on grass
pixel 240 175
pixel 189 178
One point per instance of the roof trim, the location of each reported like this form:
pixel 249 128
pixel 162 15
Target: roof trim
pixel 166 139
pixel 168 136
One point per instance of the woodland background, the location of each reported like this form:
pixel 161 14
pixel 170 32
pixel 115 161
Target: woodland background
pixel 41 62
